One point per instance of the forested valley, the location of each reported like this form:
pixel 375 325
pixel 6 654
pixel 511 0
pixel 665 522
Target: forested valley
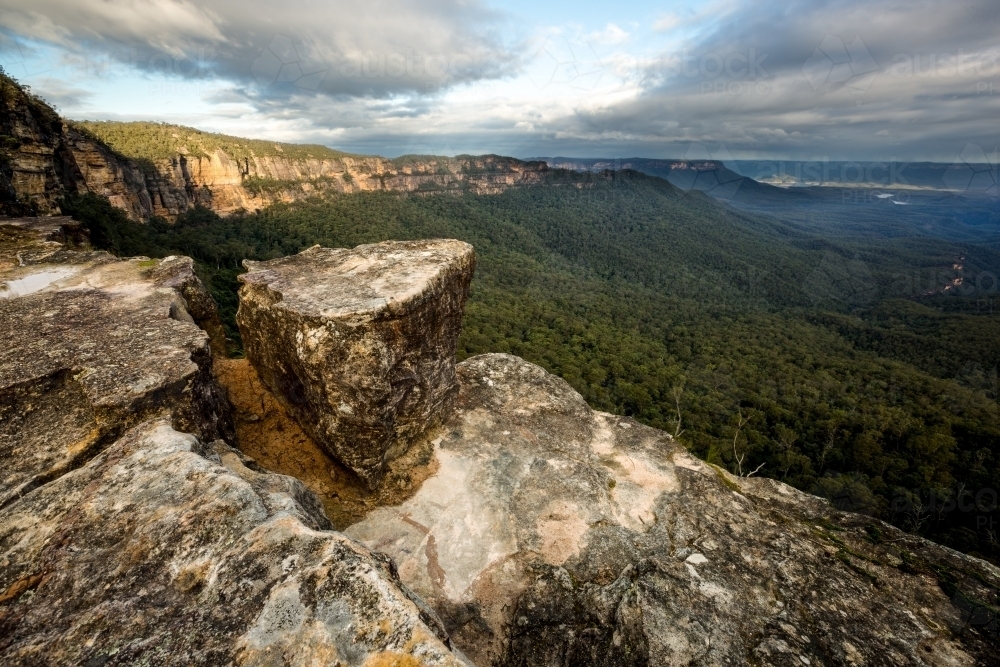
pixel 862 370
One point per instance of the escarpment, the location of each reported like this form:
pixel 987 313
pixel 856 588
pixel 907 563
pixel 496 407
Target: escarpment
pixel 134 530
pixel 43 158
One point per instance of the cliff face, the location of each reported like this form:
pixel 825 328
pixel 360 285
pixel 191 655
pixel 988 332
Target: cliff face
pixel 224 184
pixel 43 157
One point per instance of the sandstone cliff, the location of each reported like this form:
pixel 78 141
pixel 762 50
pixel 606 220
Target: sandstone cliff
pixel 43 157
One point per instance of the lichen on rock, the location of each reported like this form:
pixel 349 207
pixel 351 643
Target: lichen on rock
pixel 360 344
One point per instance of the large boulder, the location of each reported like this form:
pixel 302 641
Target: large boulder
pixel 130 532
pixel 555 535
pixel 360 344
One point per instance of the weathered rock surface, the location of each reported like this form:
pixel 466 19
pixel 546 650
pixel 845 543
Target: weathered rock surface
pixel 124 540
pixel 165 551
pixel 360 344
pixel 555 535
pixel 92 346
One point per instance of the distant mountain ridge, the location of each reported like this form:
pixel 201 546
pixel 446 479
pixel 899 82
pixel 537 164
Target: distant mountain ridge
pixel 709 174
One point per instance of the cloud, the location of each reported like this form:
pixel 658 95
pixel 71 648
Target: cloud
pixel 611 35
pixel 797 79
pixel 63 95
pixel 666 23
pixel 362 47
pixel 806 79
pixel 171 25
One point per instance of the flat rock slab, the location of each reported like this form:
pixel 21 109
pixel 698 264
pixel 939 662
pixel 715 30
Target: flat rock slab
pixel 360 344
pixel 91 346
pixel 162 550
pixel 552 534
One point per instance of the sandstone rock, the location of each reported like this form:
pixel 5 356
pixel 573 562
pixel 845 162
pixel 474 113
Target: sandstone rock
pixel 266 432
pixel 124 541
pixel 360 344
pixel 161 550
pixel 92 346
pixel 556 535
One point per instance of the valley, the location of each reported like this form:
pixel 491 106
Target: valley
pixel 855 384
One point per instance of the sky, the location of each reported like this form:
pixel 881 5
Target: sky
pixel 796 79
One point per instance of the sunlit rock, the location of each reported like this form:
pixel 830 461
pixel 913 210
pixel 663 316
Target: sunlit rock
pixel 552 534
pixel 130 532
pixel 360 344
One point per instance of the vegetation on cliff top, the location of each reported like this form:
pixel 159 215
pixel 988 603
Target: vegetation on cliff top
pixel 763 345
pixel 147 141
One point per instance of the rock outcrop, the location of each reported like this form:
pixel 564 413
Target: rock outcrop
pixel 130 531
pixel 93 346
pixel 360 344
pixel 134 531
pixel 162 550
pixel 556 535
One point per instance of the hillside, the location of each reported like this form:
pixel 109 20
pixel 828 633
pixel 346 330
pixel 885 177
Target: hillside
pixel 150 142
pixel 845 199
